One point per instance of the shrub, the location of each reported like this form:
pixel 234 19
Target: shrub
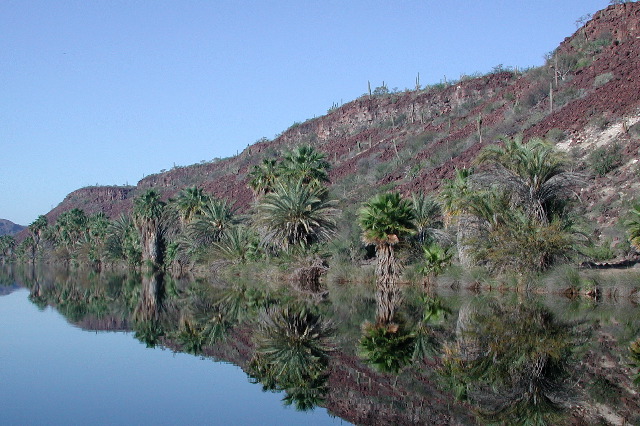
pixel 606 158
pixel 555 135
pixel 602 79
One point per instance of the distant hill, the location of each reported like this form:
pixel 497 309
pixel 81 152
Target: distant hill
pixel 9 228
pixel 585 98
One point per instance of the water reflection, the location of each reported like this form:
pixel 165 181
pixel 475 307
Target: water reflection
pixel 292 354
pixel 146 315
pixel 510 360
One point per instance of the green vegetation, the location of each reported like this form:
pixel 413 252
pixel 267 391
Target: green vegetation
pixel 606 159
pixel 385 220
pixel 504 222
pixel 511 215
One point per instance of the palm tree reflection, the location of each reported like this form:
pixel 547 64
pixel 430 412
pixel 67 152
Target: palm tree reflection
pixel 292 354
pixel 146 316
pixel 510 362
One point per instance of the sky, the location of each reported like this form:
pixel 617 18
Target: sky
pixel 106 92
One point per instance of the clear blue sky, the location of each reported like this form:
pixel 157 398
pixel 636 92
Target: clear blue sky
pixel 106 92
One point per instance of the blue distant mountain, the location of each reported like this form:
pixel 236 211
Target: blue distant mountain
pixel 9 228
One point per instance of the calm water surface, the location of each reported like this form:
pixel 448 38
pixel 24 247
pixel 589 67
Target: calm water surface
pixel 455 357
pixel 54 373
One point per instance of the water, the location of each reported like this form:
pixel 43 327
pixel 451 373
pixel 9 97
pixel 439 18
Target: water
pixel 450 358
pixel 53 373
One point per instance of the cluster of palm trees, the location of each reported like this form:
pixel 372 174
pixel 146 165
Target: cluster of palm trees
pixel 510 213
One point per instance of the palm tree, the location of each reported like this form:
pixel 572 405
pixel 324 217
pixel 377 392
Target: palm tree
pixel 123 242
pixel 454 192
pixel 534 173
pixel 427 213
pixel 70 227
pixel 454 197
pixel 519 198
pixel 147 211
pixel 296 215
pixel 305 163
pixel 190 203
pixel 210 223
pixel 436 259
pixel 238 244
pixel 385 220
pixel 263 177
pixel 36 228
pixel 7 244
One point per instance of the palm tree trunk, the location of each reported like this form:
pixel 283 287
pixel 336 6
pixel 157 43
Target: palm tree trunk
pixel 148 308
pixel 151 244
pixel 387 292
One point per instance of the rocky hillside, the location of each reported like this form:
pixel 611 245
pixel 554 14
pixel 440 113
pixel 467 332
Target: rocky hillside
pixel 9 228
pixel 585 98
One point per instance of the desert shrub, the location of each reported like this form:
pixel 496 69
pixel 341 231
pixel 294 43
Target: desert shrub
pixel 606 158
pixel 635 129
pixel 604 391
pixel 536 94
pixel 598 252
pixel 600 121
pixel 555 135
pixel 567 95
pixel 602 79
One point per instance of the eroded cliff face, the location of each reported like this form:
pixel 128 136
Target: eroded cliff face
pixel 413 140
pixel 111 200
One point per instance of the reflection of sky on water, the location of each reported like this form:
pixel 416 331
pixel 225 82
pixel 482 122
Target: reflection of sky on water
pixel 52 373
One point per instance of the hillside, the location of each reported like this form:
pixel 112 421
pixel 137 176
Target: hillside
pixel 586 98
pixel 9 228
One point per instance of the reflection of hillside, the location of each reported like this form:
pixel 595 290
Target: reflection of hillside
pixel 108 323
pixel 358 394
pixel 220 322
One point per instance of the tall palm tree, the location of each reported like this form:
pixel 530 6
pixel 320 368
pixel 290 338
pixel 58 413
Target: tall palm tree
pixel 70 227
pixel 123 242
pixel 385 220
pixel 36 228
pixel 453 193
pixel 147 212
pixel 7 244
pixel 307 164
pixel 296 214
pixel 454 198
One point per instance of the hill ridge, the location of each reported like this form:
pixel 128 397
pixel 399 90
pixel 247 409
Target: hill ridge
pixel 412 140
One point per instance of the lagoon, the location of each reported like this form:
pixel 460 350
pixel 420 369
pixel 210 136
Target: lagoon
pixel 113 348
pixel 54 373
